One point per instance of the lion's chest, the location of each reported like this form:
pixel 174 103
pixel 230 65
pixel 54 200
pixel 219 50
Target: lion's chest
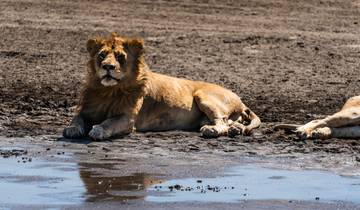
pixel 96 111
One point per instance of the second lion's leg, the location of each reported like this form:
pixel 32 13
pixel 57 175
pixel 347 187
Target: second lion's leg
pixel 215 113
pixel 111 127
pixel 340 119
pixel 343 132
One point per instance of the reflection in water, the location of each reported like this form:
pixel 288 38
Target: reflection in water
pixel 46 182
pixel 102 187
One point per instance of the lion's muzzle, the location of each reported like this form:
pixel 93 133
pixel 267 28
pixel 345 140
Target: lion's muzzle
pixel 108 67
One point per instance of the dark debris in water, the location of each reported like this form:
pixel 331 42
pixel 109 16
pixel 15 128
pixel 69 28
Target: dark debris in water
pixel 25 159
pixel 200 188
pixel 12 152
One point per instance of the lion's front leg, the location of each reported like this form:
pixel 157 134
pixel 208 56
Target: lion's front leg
pixel 76 129
pixel 352 132
pixel 111 127
pixel 340 119
pixel 305 131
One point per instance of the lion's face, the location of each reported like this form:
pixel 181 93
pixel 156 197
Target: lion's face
pixel 110 64
pixel 114 57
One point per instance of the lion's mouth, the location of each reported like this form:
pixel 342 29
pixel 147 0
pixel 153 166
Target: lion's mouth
pixel 109 77
pixel 109 80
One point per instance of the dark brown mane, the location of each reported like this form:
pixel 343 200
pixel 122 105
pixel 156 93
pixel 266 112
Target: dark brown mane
pixel 134 84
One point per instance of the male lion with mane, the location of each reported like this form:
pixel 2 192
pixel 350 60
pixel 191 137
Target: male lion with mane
pixel 342 124
pixel 121 95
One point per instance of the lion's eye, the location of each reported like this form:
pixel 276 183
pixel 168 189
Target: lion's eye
pixel 102 55
pixel 121 58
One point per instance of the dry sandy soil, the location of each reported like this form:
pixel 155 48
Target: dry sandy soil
pixel 290 61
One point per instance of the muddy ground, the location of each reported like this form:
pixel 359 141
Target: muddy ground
pixel 290 61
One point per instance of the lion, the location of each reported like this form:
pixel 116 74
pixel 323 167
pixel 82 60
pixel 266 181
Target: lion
pixel 342 124
pixel 121 94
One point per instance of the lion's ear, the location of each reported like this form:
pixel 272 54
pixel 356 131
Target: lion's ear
pixel 93 45
pixel 135 47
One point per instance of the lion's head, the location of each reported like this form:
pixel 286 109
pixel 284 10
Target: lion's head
pixel 114 58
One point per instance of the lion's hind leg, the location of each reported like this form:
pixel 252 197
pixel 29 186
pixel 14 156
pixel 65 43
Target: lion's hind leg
pixel 218 128
pixel 216 114
pixel 245 123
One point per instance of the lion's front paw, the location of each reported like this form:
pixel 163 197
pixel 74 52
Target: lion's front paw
pixel 303 133
pixel 212 131
pixel 73 132
pixel 98 133
pixel 321 133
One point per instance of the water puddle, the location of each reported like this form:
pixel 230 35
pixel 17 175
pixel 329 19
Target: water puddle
pixel 255 183
pixel 32 181
pixel 27 181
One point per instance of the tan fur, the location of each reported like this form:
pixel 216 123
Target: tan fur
pixel 343 124
pixel 136 98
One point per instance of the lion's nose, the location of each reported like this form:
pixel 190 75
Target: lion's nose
pixel 108 67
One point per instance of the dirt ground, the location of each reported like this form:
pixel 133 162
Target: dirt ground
pixel 290 61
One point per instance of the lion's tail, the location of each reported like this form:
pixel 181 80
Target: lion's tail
pixel 286 127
